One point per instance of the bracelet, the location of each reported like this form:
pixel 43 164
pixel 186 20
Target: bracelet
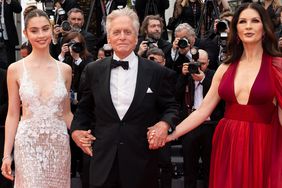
pixel 7 157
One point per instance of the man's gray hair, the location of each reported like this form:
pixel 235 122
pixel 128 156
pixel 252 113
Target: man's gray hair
pixel 123 12
pixel 188 28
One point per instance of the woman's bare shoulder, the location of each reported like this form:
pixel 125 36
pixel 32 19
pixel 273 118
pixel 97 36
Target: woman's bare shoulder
pixel 15 67
pixel 221 70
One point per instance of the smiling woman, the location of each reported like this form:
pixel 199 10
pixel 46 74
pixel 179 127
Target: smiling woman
pixel 246 149
pixel 39 84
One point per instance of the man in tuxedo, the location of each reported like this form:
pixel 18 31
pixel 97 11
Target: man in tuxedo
pixel 191 88
pixel 122 98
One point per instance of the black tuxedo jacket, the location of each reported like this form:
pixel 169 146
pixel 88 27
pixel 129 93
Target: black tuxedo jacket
pixel 9 10
pixel 125 139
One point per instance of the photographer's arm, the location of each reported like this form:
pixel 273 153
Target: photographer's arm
pixel 200 115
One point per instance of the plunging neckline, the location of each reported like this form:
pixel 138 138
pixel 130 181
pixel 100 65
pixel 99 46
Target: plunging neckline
pixel 38 91
pixel 255 80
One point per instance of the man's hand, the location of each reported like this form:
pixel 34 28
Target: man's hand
pixel 142 48
pixel 185 68
pixel 84 140
pixel 175 43
pixel 198 77
pixel 157 135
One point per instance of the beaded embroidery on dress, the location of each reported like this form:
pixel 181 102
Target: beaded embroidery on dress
pixel 41 150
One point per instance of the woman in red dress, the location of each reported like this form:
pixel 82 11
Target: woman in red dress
pixel 247 144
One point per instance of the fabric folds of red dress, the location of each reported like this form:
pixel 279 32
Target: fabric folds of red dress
pixel 275 177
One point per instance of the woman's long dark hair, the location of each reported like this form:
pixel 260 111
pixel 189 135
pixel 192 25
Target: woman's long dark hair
pixel 84 54
pixel 269 41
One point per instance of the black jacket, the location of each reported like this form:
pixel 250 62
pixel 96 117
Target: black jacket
pixel 124 139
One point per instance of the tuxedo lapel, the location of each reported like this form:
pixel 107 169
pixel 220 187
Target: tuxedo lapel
pixel 144 76
pixel 104 80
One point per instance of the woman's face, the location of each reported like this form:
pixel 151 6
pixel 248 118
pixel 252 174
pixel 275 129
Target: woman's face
pixel 39 32
pixel 250 27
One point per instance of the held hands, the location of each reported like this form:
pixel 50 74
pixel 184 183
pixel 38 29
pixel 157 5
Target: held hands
pixel 6 168
pixel 84 140
pixel 157 135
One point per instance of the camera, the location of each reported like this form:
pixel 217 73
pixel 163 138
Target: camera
pixel 66 26
pixel 223 47
pixel 183 43
pixel 77 47
pixel 150 42
pixel 222 25
pixel 108 50
pixel 193 67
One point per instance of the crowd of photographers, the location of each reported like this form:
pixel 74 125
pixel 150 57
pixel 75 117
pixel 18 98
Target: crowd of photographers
pixel 193 56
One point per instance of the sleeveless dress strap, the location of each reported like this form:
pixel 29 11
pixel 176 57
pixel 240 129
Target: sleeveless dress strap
pixel 25 74
pixel 59 71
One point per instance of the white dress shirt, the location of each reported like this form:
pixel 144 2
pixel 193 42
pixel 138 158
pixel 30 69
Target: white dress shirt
pixel 123 84
pixel 198 94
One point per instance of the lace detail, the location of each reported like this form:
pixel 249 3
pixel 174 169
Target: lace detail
pixel 42 153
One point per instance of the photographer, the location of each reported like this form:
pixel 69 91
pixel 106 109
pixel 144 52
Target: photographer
pixel 75 22
pixel 151 31
pixel 180 52
pixel 8 35
pixel 192 85
pixel 215 40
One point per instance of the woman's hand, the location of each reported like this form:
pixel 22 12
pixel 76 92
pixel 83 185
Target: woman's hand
pixel 6 168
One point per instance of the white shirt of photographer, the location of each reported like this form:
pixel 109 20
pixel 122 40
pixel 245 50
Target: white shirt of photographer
pixel 123 84
pixel 198 95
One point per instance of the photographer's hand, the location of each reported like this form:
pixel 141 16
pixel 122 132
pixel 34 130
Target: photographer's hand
pixel 56 31
pixel 175 44
pixel 185 68
pixel 142 48
pixel 64 50
pixel 199 77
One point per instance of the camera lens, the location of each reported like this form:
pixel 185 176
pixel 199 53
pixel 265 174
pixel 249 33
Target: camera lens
pixel 183 43
pixel 77 47
pixel 221 26
pixel 66 26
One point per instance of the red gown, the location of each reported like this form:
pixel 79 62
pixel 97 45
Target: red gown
pixel 247 144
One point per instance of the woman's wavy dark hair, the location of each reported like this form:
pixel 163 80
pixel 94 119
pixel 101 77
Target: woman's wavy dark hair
pixel 70 36
pixel 269 41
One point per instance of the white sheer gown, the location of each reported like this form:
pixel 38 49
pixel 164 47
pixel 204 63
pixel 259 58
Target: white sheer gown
pixel 41 150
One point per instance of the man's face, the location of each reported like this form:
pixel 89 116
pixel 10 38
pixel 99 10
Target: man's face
pixel 157 58
pixel 76 20
pixel 122 36
pixel 203 60
pixel 154 29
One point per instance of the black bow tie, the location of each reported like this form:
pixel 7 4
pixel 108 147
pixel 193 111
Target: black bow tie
pixel 116 63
